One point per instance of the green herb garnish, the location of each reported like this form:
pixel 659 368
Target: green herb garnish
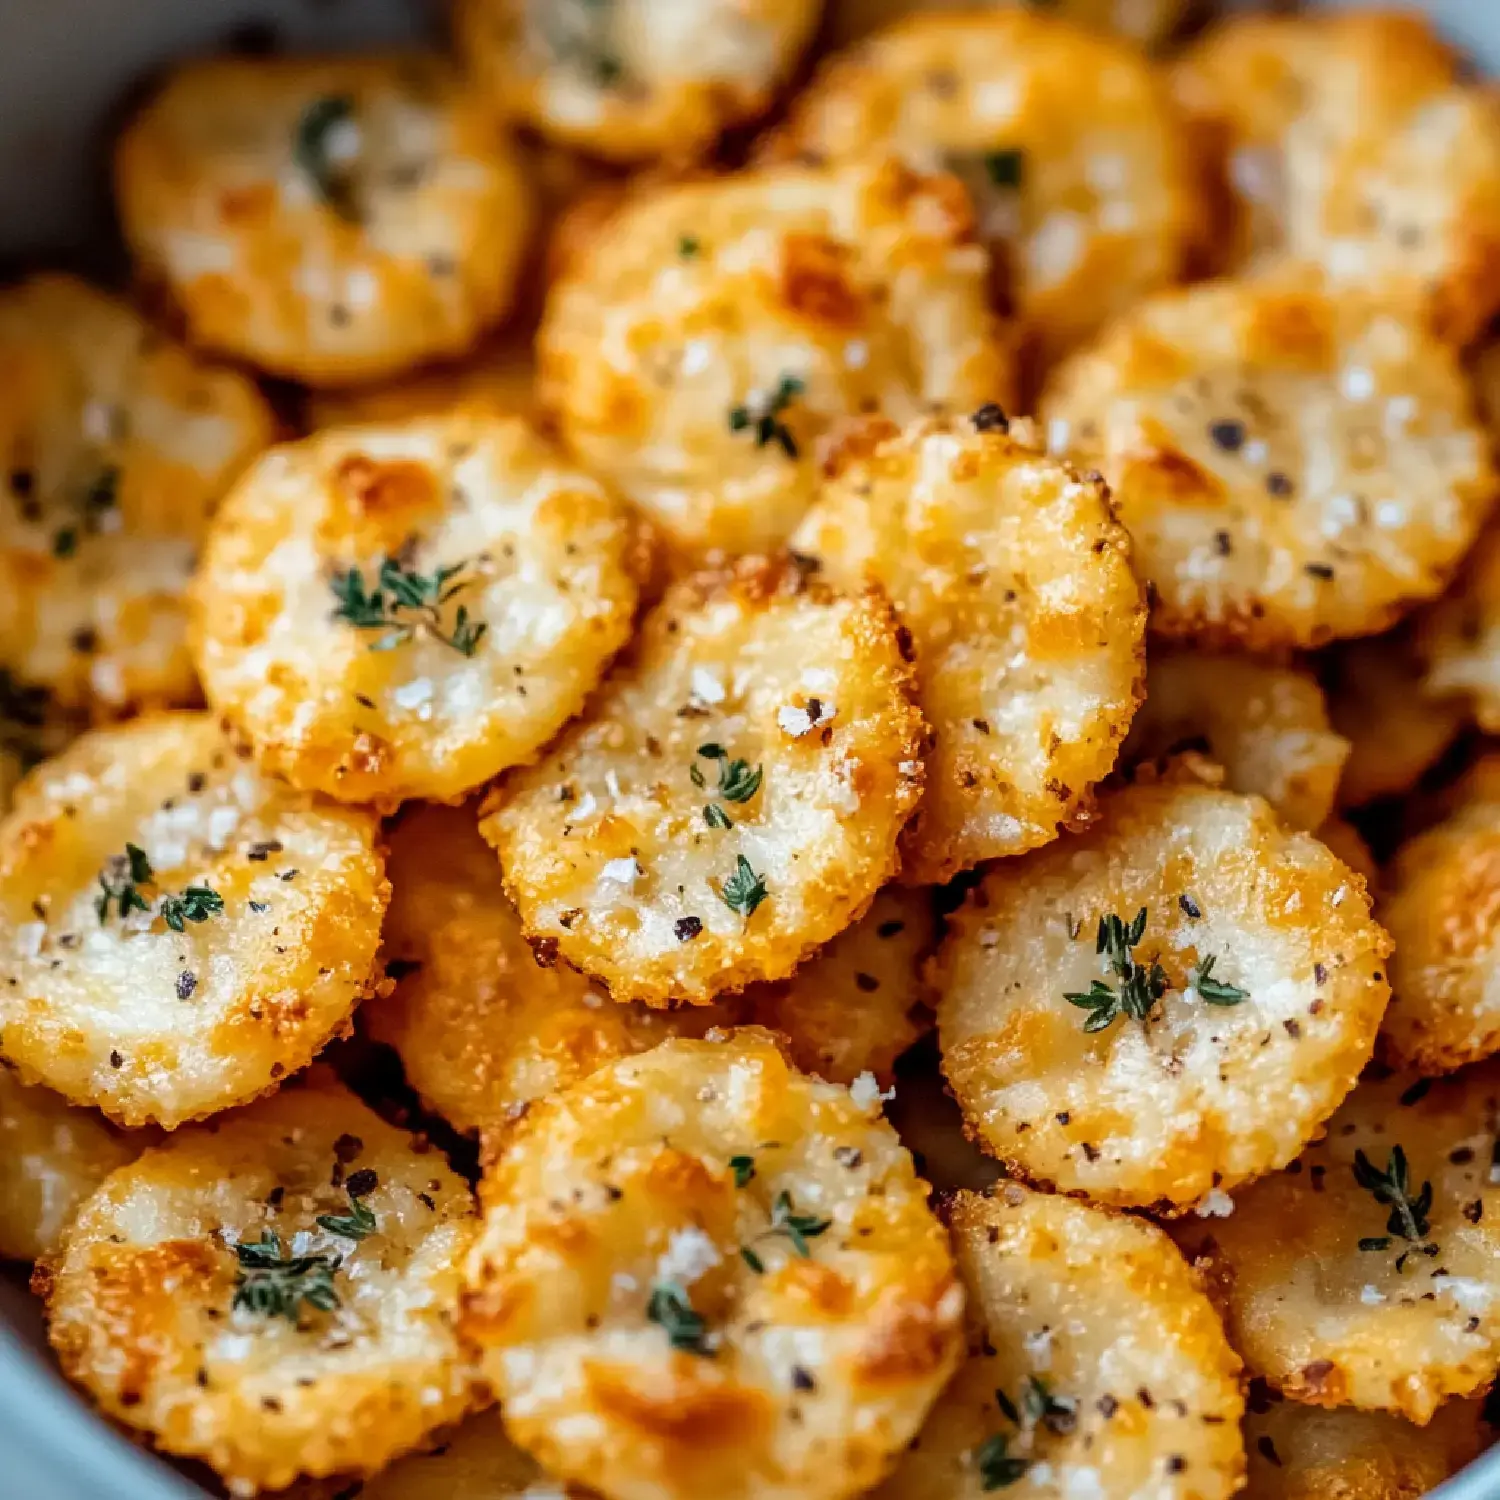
pixel 196 904
pixel 354 1225
pixel 1058 1413
pixel 743 891
pixel 685 1329
pixel 743 1168
pixel 404 601
pixel 1141 986
pixel 737 782
pixel 1408 1218
pixel 273 1285
pixel 1215 991
pixel 996 1465
pixel 764 416
pixel 120 882
pixel 1005 169
pixel 310 151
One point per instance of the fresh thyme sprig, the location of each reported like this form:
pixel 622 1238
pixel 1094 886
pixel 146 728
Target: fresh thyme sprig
pixel 763 416
pixel 313 154
pixel 1408 1219
pixel 744 890
pixel 1140 985
pixel 271 1284
pixel 358 1223
pixel 996 1465
pixel 737 782
pixel 1215 991
pixel 120 881
pixel 197 903
pixel 671 1308
pixel 790 1225
pixel 404 601
pixel 1005 169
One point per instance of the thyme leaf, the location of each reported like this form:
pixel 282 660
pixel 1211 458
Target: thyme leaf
pixel 313 154
pixel 672 1309
pixel 1215 991
pixel 404 601
pixel 744 890
pixel 1140 985
pixel 763 416
pixel 271 1284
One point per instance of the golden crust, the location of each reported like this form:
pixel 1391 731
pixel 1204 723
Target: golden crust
pixel 1347 844
pixel 1014 580
pixel 1396 729
pixel 1299 1452
pixel 482 1029
pixel 705 348
pixel 118 446
pixel 327 219
pixel 1097 1314
pixel 1086 209
pixel 630 83
pixel 546 562
pixel 1293 464
pixel 501 375
pixel 1199 1096
pixel 1266 725
pixel 1459 637
pixel 476 1461
pixel 1345 141
pixel 1390 1327
pixel 805 1378
pixel 145 1312
pixel 51 1158
pixel 1442 907
pixel 615 847
pixel 857 1004
pixel 112 1007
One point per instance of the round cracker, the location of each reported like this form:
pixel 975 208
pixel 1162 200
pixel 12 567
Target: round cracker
pixel 203 1298
pixel 1345 141
pixel 1332 1305
pixel 482 1029
pixel 1459 638
pixel 857 1004
pixel 1442 893
pixel 702 1273
pixel 633 82
pixel 1014 580
pixel 1299 1452
pixel 1379 703
pixel 1228 1074
pixel 732 799
pixel 1266 725
pixel 117 446
pixel 1293 464
pixel 1096 1364
pixel 1086 209
pixel 326 219
pixel 52 1157
pixel 706 344
pixel 195 973
pixel 521 572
